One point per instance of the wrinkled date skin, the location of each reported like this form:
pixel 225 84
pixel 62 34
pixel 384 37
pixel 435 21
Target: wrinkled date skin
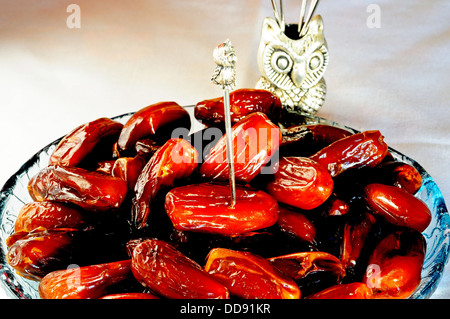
pixel 148 120
pixel 300 182
pixel 76 145
pixel 366 149
pixel 147 147
pixel 296 224
pixel 88 282
pixel 176 159
pixel 169 273
pixel 394 268
pixel 401 175
pixel 92 191
pixel 206 208
pixel 36 254
pixel 326 134
pixel 255 141
pixel 398 206
pixel 305 140
pixel 49 214
pixel 354 290
pixel 128 169
pixel 243 102
pixel 299 265
pixel 249 276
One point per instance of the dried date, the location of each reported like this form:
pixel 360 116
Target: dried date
pixel 207 208
pixel 250 276
pixel 33 255
pixel 243 102
pixel 395 266
pixel 163 269
pixel 48 215
pixel 300 182
pixel 90 190
pixel 175 160
pixel 88 282
pixel 398 206
pixel 76 145
pixel 255 141
pixel 366 149
pixel 149 120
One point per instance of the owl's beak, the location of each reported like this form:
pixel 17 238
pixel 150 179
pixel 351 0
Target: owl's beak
pixel 298 73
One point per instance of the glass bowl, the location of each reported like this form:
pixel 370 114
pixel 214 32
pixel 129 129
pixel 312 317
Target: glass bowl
pixel 14 195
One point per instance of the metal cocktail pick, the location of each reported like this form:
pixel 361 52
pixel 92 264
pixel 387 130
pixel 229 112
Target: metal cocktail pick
pixel 304 21
pixel 279 15
pixel 225 76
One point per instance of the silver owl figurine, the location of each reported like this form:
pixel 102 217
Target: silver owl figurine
pixel 292 64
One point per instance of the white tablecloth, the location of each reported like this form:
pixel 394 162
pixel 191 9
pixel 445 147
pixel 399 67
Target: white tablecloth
pixel 128 54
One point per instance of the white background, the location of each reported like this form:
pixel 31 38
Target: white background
pixel 129 54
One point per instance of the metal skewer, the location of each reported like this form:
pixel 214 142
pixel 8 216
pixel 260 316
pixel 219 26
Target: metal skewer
pixel 312 9
pixel 282 16
pixel 279 15
pixel 224 75
pixel 275 12
pixel 302 16
pixel 230 148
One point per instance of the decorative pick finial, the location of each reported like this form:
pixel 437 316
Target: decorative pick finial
pixel 225 76
pixel 225 72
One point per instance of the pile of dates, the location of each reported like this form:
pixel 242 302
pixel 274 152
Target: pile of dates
pixel 144 210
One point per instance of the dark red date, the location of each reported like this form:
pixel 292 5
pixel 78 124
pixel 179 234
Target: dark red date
pixel 305 140
pixel 296 224
pixel 148 120
pixel 49 214
pixel 147 147
pixel 355 234
pixel 326 134
pixel 401 175
pixel 36 254
pixel 249 276
pixel 90 190
pixel 255 141
pixel 207 208
pixel 299 265
pixel 395 266
pixel 366 149
pixel 175 160
pixel 128 169
pixel 76 145
pixel 169 273
pixel 300 182
pixel 398 206
pixel 243 102
pixel 88 282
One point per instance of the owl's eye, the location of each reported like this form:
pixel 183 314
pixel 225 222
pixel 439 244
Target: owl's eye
pixel 281 62
pixel 315 61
